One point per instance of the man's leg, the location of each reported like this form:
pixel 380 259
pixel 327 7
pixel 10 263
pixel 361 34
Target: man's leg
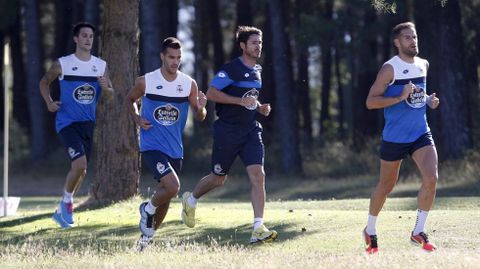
pixel 64 213
pixel 427 162
pixel 189 200
pixel 389 171
pixel 256 173
pixel 156 209
pixel 260 233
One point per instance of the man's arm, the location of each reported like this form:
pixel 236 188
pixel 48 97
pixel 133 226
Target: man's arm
pixel 217 96
pixel 136 92
pixel 44 85
pixel 198 101
pixel 106 84
pixel 375 98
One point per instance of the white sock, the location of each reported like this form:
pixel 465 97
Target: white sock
pixel 421 220
pixel 67 197
pixel 192 201
pixel 372 225
pixel 257 222
pixel 150 208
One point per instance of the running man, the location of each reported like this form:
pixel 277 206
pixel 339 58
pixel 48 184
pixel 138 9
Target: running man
pixel 166 94
pixel 83 77
pixel 235 89
pixel 400 88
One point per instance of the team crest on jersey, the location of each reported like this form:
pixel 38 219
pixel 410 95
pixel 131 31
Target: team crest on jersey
pixel 418 98
pixel 166 115
pixel 247 75
pixel 74 68
pixel 159 87
pixel 84 94
pixel 94 69
pixel 179 88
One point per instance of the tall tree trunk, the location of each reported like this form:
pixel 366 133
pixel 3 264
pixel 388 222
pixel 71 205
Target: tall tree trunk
pixel 150 42
pixel 20 104
pixel 302 84
pixel 286 124
pixel 365 122
pixel 244 17
pixel 34 70
pixel 64 20
pixel 341 97
pixel 168 13
pixel 326 48
pixel 444 49
pixel 217 36
pixel 91 13
pixel 201 36
pixel 117 166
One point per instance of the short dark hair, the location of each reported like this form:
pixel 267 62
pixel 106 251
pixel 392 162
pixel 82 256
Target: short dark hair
pixel 244 33
pixel 171 42
pixel 400 27
pixel 80 25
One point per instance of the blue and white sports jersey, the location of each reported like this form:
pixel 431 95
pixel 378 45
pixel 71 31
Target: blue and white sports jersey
pixel 237 79
pixel 165 104
pixel 406 121
pixel 79 89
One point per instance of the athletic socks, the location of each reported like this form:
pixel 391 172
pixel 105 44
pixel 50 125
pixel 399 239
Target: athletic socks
pixel 420 223
pixel 150 208
pixel 192 201
pixel 67 197
pixel 372 225
pixel 257 222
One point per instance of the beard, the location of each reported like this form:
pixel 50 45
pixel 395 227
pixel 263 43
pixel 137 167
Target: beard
pixel 410 52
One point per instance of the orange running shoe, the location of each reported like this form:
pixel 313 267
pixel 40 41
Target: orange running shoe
pixel 370 242
pixel 421 240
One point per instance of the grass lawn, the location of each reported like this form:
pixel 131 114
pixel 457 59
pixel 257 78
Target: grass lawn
pixel 312 234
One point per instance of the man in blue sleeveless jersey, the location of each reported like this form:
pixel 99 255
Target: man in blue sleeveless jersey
pixel 83 77
pixel 235 90
pixel 166 95
pixel 401 90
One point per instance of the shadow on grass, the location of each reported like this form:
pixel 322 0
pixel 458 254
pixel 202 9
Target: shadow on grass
pixel 104 237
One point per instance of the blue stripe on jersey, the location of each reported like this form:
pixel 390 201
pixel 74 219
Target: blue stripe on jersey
pixel 80 78
pixel 413 80
pixel 167 99
pixel 248 84
pixel 221 80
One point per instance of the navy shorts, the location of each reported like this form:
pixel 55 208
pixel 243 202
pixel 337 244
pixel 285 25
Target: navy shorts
pixel 397 151
pixel 77 139
pixel 161 164
pixel 229 142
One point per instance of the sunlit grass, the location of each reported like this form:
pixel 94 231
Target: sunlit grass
pixel 313 234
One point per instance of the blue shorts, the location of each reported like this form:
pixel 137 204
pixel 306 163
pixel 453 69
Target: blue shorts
pixel 397 151
pixel 229 142
pixel 161 164
pixel 77 139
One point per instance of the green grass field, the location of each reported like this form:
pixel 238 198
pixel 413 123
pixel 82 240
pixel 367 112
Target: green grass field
pixel 312 234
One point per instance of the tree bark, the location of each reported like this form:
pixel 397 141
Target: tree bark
pixel 442 43
pixel 117 166
pixel 34 70
pixel 286 124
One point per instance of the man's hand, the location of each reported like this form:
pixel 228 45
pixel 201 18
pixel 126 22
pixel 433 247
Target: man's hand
pixel 433 101
pixel 143 123
pixel 264 109
pixel 407 90
pixel 103 81
pixel 53 106
pixel 201 100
